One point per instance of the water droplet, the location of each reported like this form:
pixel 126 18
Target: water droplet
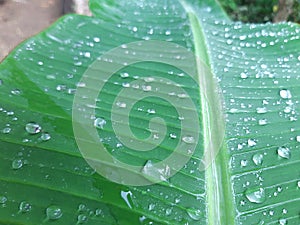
pixel 151 206
pixel 284 152
pixel 127 196
pixel 298 138
pixel 82 207
pixel 3 199
pixel 33 128
pixel 195 214
pixel 261 110
pixel 24 207
pixel 173 136
pixel 54 212
pixel 96 39
pixel 16 92
pixel 17 164
pixel 282 221
pixel 61 87
pixel 188 139
pixel 256 195
pixel 262 122
pixel 81 219
pixel 251 142
pixel 244 163
pixel 244 75
pixel 99 123
pixel 285 94
pixel 298 183
pixel 121 104
pixel 6 130
pixel 258 159
pixel 168 211
pixel 45 137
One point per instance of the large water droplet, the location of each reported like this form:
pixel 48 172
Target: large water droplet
pixel 282 221
pixel 284 93
pixel 258 159
pixel 256 195
pixel 3 199
pixel 6 130
pixel 251 142
pixel 81 219
pixel 188 139
pixel 24 207
pixel 284 152
pixel 195 214
pixel 33 128
pixel 99 123
pixel 127 196
pixel 54 212
pixel 17 164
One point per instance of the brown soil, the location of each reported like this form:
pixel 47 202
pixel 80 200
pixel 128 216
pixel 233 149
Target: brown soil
pixel 20 19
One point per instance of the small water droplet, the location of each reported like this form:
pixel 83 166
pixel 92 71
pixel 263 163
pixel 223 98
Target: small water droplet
pixel 96 39
pixel 256 195
pixel 17 164
pixel 261 110
pixel 168 211
pixel 244 163
pixel 121 104
pixel 81 219
pixel 258 159
pixel 33 128
pixel 16 92
pixel 151 206
pixel 188 139
pixel 284 152
pixel 99 123
pixel 173 136
pixel 45 137
pixel 24 207
pixel 127 196
pixel 285 94
pixel 195 214
pixel 3 199
pixel 54 212
pixel 298 138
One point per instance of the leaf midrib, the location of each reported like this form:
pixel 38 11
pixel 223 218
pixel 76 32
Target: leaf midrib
pixel 217 174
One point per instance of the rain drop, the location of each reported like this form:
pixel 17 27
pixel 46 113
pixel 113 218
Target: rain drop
pixel 24 207
pixel 17 164
pixel 81 219
pixel 33 128
pixel 6 130
pixel 45 137
pixel 284 152
pixel 188 139
pixel 285 94
pixel 256 195
pixel 195 214
pixel 99 123
pixel 251 142
pixel 258 159
pixel 3 199
pixel 54 212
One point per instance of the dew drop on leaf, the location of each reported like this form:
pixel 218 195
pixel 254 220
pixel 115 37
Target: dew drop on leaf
pixel 81 219
pixel 282 221
pixel 258 159
pixel 195 214
pixel 251 142
pixel 3 199
pixel 284 152
pixel 17 164
pixel 262 122
pixel 33 128
pixel 285 94
pixel 24 207
pixel 54 212
pixel 256 195
pixel 99 123
pixel 6 130
pixel 45 137
pixel 188 139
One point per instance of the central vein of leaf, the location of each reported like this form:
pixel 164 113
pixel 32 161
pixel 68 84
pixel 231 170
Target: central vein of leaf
pixel 219 195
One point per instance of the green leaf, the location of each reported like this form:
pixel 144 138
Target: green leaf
pixel 246 106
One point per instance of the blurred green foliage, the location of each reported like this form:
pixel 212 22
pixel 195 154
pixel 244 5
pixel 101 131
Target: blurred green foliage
pixel 257 11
